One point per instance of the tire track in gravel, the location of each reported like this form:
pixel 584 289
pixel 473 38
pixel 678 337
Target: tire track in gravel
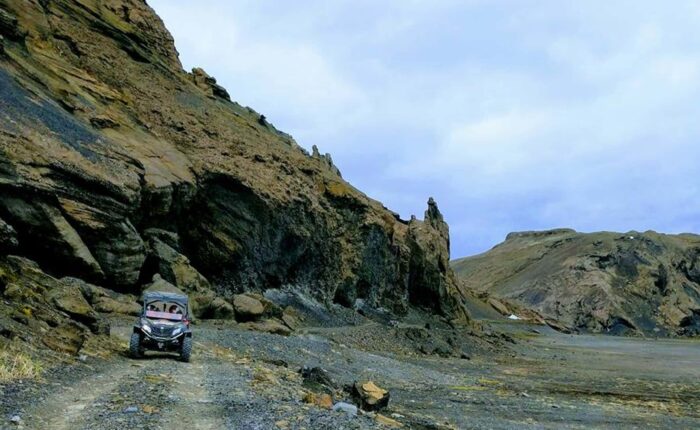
pixel 66 409
pixel 196 408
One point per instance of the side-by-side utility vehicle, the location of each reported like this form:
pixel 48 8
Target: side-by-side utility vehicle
pixel 164 325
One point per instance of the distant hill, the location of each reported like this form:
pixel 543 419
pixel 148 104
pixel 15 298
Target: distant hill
pixel 618 283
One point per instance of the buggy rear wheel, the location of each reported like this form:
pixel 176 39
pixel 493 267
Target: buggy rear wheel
pixel 135 345
pixel 186 349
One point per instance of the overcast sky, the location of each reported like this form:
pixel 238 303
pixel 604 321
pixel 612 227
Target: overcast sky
pixel 514 115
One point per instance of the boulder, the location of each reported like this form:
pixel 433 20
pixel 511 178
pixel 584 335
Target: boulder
pixel 498 306
pixel 104 300
pixel 370 396
pixel 388 422
pixel 347 408
pixel 220 309
pixel 69 299
pixel 324 401
pixel 67 338
pixel 317 379
pixel 247 307
pixel 291 318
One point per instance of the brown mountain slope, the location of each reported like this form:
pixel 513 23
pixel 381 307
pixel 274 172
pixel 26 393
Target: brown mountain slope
pixel 116 165
pixel 603 282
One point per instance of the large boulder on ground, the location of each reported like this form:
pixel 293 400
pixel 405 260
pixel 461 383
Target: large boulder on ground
pixel 318 379
pixel 370 396
pixel 220 309
pixel 247 307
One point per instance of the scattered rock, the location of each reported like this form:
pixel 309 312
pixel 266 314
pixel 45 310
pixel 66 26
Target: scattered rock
pixel 220 309
pixel 131 410
pixel 16 419
pixel 247 307
pixel 317 379
pixel 389 422
pixel 291 318
pixel 499 306
pixel 348 408
pixel 370 396
pixel 324 401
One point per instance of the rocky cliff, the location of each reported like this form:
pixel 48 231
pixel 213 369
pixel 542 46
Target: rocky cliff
pixel 116 166
pixel 620 283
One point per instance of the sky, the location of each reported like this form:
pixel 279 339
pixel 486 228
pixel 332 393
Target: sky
pixel 514 115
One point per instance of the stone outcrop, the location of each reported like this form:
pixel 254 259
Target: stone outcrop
pixel 36 305
pixel 116 165
pixel 618 283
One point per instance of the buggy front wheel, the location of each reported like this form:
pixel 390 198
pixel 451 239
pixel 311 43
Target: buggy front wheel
pixel 186 349
pixel 135 345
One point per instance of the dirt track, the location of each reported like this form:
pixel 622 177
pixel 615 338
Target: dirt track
pixel 247 380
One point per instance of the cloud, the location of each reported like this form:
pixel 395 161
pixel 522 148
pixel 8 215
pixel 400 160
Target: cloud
pixel 515 115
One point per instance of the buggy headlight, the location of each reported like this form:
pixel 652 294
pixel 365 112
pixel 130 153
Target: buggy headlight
pixel 146 328
pixel 177 331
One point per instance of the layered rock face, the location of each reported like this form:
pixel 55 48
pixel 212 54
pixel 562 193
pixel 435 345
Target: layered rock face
pixel 602 282
pixel 116 165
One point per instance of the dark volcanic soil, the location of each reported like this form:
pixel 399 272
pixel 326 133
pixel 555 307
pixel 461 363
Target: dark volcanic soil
pixel 247 380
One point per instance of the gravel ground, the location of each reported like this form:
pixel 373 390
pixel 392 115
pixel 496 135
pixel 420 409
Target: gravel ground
pixel 248 380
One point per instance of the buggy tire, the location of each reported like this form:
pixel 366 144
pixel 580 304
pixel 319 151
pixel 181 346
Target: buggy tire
pixel 186 349
pixel 135 346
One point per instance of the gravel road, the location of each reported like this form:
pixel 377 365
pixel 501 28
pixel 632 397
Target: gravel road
pixel 247 380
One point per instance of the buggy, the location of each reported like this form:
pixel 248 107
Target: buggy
pixel 164 325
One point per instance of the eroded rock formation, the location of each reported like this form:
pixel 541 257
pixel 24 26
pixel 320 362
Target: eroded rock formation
pixel 116 165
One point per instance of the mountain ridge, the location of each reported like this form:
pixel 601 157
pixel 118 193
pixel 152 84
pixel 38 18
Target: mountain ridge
pixel 625 283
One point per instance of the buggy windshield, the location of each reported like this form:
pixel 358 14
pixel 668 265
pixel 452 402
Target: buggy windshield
pixel 163 310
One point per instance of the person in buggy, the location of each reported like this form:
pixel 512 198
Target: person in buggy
pixel 164 325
